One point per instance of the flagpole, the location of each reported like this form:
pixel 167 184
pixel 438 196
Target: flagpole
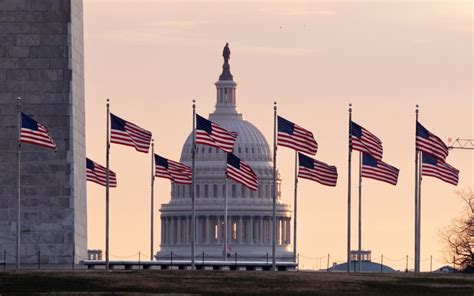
pixel 349 194
pixel 420 165
pixel 416 195
pixel 225 217
pixel 193 197
pixel 18 222
pixel 152 206
pixel 107 183
pixel 274 267
pixel 225 204
pixel 295 203
pixel 360 213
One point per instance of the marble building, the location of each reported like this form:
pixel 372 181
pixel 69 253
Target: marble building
pixel 250 213
pixel 41 61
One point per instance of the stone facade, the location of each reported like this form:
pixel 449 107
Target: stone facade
pixel 41 61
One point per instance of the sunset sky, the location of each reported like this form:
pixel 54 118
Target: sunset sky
pixel 151 58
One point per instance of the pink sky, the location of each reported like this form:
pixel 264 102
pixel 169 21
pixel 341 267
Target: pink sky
pixel 152 58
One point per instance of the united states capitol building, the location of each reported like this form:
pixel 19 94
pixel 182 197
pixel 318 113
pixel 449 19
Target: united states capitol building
pixel 249 213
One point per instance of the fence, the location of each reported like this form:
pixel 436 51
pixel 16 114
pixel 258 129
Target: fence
pixel 322 263
pixel 401 264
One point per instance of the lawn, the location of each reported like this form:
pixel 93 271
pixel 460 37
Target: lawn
pixel 231 283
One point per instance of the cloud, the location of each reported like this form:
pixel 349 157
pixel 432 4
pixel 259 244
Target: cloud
pixel 284 51
pixel 177 24
pixel 297 11
pixel 152 32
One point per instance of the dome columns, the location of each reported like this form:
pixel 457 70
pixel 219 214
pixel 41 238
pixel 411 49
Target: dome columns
pixel 226 97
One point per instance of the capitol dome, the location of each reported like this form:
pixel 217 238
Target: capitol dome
pixel 249 212
pixel 250 145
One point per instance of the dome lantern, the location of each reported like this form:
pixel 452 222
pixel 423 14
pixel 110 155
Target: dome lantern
pixel 226 101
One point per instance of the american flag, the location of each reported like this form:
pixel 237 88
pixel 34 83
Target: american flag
pixel 316 170
pixel 364 141
pixel 241 172
pixel 378 170
pixel 435 167
pixel 175 171
pixel 209 133
pixel 98 174
pixel 295 137
pixel 129 134
pixel 35 133
pixel 428 142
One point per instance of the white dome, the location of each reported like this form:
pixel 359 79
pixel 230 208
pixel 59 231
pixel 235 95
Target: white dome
pixel 250 146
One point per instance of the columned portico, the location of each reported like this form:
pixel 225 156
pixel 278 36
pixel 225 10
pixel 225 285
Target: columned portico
pixel 244 230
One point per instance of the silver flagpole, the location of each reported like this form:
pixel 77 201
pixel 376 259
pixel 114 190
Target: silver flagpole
pixel 416 195
pixel 349 194
pixel 420 165
pixel 152 206
pixel 274 267
pixel 193 196
pixel 225 218
pixel 295 203
pixel 359 255
pixel 107 181
pixel 18 221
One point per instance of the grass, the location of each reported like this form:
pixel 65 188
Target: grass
pixel 231 283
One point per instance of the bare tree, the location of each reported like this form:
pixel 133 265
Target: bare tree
pixel 458 237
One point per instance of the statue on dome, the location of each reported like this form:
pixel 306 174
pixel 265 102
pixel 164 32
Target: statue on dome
pixel 226 75
pixel 226 53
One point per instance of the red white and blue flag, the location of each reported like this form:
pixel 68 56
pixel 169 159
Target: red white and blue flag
pixel 172 170
pixel 364 141
pixel 315 170
pixel 35 133
pixel 378 170
pixel 98 174
pixel 241 172
pixel 211 134
pixel 436 167
pixel 129 134
pixel 430 143
pixel 295 137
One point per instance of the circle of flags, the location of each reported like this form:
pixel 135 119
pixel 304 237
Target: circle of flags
pixel 431 156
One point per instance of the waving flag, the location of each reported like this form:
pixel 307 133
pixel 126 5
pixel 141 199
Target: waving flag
pixel 129 134
pixel 172 170
pixel 364 141
pixel 295 137
pixel 316 170
pixel 435 167
pixel 428 142
pixel 98 174
pixel 241 172
pixel 209 133
pixel 35 133
pixel 378 170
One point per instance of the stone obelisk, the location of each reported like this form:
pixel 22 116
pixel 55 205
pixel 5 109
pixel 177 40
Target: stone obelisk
pixel 41 61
